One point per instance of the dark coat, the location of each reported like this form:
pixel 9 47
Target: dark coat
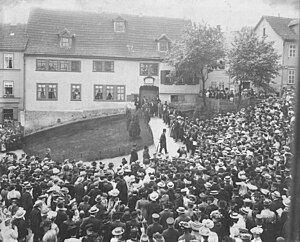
pixel 133 156
pixel 35 220
pixel 27 202
pixel 90 220
pixel 154 228
pixel 59 220
pixel 122 187
pixel 170 235
pixel 22 228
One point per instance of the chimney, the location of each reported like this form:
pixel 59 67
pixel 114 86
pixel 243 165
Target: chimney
pixel 278 14
pixel 141 14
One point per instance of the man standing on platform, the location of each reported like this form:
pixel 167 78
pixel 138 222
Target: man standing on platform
pixel 163 142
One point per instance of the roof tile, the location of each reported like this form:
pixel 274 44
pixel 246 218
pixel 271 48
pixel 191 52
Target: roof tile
pixel 95 36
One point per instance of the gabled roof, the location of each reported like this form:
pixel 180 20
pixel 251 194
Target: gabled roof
pixel 13 37
pixel 281 26
pixel 95 36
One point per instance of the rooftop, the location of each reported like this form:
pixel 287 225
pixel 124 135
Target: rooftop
pixel 281 26
pixel 94 34
pixel 13 37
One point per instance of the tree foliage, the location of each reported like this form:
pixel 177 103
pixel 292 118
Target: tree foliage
pixel 253 59
pixel 193 56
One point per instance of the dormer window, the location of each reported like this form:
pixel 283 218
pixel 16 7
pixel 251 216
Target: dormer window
pixel 163 43
pixel 66 42
pixel 65 39
pixel 119 25
pixel 163 46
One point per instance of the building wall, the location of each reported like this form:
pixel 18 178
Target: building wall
pixel 166 92
pixel 219 77
pixel 16 74
pixel 282 48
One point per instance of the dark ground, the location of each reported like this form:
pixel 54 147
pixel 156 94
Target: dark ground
pixel 87 140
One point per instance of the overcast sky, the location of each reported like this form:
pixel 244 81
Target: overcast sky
pixel 230 14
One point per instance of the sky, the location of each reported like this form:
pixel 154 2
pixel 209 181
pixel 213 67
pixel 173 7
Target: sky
pixel 230 14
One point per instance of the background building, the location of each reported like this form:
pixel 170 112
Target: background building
pixel 83 64
pixel 13 42
pixel 285 33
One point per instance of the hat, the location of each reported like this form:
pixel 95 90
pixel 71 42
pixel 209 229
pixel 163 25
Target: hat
pixel 38 203
pixel 180 210
pixel 246 237
pixel 196 225
pixel 55 171
pixel 208 223
pixel 256 230
pixel 185 225
pixel 118 231
pixel 28 186
pixel 114 192
pixel 98 198
pixel 286 202
pixel 20 213
pixel 245 210
pixel 267 202
pixel 170 184
pixel 204 231
pixel 93 210
pixel 234 215
pixel 153 196
pixel 214 192
pixel 158 238
pixel 170 220
pixel 144 238
pixel 161 184
pixel 64 190
pixel 276 194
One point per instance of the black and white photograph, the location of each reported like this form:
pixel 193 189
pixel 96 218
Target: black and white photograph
pixel 149 121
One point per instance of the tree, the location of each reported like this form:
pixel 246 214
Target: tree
pixel 252 59
pixel 193 56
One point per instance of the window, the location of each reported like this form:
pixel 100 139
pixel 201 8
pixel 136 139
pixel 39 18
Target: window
pixel 46 91
pixel 221 85
pixel 291 76
pixel 98 92
pixel 53 65
pixel 8 88
pixel 119 26
pixel 75 66
pixel 8 114
pixel 64 65
pixel 148 69
pixel 177 98
pixel 264 31
pixel 58 65
pixel 41 65
pixel 292 51
pixel 213 84
pixel 8 61
pixel 65 42
pixel 109 92
pixel 103 66
pixel 75 92
pixel 165 77
pixel 120 93
pixel 163 46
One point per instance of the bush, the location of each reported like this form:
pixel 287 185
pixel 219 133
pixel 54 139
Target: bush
pixel 134 127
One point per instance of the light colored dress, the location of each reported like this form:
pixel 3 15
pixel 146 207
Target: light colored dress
pixel 9 234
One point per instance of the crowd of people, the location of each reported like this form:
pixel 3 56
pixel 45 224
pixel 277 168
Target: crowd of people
pixel 11 135
pixel 229 183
